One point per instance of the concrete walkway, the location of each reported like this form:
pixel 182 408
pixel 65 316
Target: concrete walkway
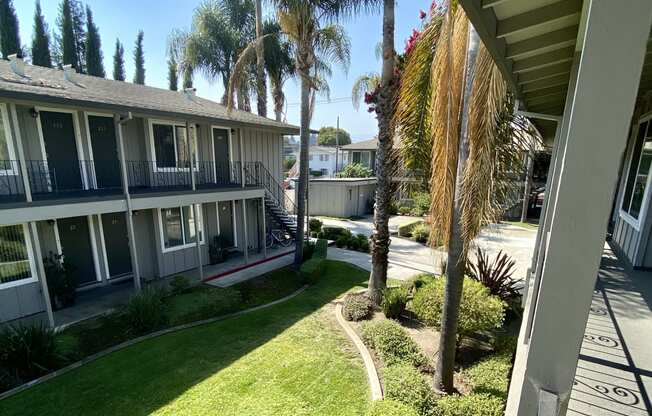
pixel 407 257
pixel 614 371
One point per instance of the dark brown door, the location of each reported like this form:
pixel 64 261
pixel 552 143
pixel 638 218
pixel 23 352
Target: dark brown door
pixel 74 236
pixel 105 152
pixel 61 151
pixel 116 241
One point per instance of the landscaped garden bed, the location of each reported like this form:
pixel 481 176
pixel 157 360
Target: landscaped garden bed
pixel 288 359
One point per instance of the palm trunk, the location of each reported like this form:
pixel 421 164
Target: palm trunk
pixel 303 168
pixel 261 86
pixel 277 94
pixel 380 237
pixel 456 248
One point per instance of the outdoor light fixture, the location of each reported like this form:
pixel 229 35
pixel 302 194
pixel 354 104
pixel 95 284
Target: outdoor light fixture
pixel 33 112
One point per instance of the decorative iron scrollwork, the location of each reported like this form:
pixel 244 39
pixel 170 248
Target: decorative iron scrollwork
pixel 618 394
pixel 602 340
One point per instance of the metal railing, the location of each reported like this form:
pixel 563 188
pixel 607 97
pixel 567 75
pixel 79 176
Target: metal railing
pixel 256 174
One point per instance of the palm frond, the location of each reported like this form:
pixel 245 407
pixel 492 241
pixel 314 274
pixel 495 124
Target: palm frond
pixel 364 84
pixel 332 44
pixel 240 76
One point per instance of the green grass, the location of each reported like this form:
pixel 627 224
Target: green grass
pixel 289 359
pixel 526 225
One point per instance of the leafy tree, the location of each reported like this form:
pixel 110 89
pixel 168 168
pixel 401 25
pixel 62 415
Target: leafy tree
pixel 173 77
pixel 71 40
pixel 119 62
pixel 9 35
pixel 328 136
pixel 355 170
pixel 40 40
pixel 364 88
pixel 93 49
pixel 139 59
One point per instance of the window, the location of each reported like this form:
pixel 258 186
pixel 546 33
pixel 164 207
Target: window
pixel 7 158
pixel 637 176
pixel 355 157
pixel 178 227
pixel 16 263
pixel 310 157
pixel 325 158
pixel 171 145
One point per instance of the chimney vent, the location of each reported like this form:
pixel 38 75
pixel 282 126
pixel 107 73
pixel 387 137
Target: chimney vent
pixel 17 65
pixel 69 73
pixel 190 92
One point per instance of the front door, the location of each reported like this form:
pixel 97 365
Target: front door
pixel 105 152
pixel 76 248
pixel 221 151
pixel 61 151
pixel 116 241
pixel 225 217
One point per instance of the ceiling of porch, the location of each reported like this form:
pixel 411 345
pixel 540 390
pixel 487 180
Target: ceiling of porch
pixel 533 43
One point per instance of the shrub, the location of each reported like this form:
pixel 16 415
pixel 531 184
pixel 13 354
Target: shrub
pixel 321 235
pixel 145 312
pixel 219 301
pixel 491 374
pixel 421 203
pixel 315 225
pixel 392 343
pixel 496 275
pixel 321 249
pixel 393 208
pixel 179 284
pixel 308 250
pixel 479 310
pixel 471 405
pixel 364 245
pixel 334 232
pixel 404 210
pixel 26 352
pixel 313 234
pixel 405 230
pixel 389 407
pixel 356 307
pixel 312 270
pixel 394 301
pixel 353 244
pixel 355 170
pixel 416 282
pixel 407 385
pixel 341 241
pixel 421 233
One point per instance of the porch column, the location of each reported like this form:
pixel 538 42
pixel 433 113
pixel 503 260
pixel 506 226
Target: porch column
pixel 241 153
pixel 192 149
pixel 264 228
pixel 21 153
pixel 244 231
pixel 40 269
pixel 117 122
pixel 614 42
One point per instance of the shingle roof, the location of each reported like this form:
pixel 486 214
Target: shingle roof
pixel 48 84
pixel 371 144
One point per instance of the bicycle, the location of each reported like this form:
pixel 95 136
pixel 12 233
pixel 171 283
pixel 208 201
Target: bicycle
pixel 279 237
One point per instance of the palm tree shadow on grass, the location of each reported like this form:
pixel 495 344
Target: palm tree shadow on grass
pixel 145 377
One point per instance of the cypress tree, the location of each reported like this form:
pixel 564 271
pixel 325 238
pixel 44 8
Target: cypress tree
pixel 119 62
pixel 139 59
pixel 93 49
pixel 41 40
pixel 173 78
pixel 187 77
pixel 67 46
pixel 9 36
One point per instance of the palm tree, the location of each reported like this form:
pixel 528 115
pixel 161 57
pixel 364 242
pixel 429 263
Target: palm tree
pixel 261 85
pixel 279 64
pixel 364 85
pixel 468 130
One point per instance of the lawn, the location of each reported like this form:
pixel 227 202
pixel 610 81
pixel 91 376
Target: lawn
pixel 526 225
pixel 290 359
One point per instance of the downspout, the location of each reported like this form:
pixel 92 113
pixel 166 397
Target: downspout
pixel 118 121
pixel 192 148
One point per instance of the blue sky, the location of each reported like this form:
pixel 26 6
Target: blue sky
pixel 122 19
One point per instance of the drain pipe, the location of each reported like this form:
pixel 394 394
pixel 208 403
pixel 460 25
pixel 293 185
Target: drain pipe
pixel 118 121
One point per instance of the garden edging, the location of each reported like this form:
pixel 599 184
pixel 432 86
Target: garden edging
pixel 146 337
pixel 372 373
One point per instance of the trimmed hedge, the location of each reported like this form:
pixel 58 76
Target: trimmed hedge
pixel 321 249
pixel 333 232
pixel 417 282
pixel 312 270
pixel 390 407
pixel 421 233
pixel 479 311
pixel 394 301
pixel 471 405
pixel 405 230
pixel 392 343
pixel 356 307
pixel 407 385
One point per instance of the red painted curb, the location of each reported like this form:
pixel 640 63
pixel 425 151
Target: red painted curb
pixel 246 266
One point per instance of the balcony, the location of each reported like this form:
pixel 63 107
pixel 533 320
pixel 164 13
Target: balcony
pixel 70 179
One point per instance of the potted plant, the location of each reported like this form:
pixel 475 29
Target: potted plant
pixel 218 250
pixel 61 281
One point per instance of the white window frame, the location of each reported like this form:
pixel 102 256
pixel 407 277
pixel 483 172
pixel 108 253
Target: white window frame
pixel 185 245
pixel 4 113
pixel 174 124
pixel 30 258
pixel 626 216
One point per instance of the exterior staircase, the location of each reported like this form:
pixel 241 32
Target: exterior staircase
pixel 277 204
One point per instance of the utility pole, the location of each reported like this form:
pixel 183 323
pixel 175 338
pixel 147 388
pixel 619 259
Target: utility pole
pixel 337 145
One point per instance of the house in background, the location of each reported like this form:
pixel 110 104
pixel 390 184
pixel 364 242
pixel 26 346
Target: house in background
pixel 322 160
pixel 128 183
pixel 363 152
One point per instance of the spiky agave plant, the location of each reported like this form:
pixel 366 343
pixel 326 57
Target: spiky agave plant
pixel 495 274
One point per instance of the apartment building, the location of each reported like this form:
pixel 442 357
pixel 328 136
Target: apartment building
pixel 124 182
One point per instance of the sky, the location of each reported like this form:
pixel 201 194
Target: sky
pixel 157 18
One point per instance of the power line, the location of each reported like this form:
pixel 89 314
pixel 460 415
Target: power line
pixel 331 101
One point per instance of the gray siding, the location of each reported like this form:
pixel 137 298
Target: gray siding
pixel 261 146
pixel 340 199
pixel 145 243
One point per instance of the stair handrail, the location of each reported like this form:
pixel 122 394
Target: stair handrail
pixel 262 176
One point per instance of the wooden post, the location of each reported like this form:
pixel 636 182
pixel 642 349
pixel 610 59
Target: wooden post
pixel 41 271
pixel 244 230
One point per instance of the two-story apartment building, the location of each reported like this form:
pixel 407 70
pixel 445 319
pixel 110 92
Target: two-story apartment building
pixel 363 152
pixel 125 181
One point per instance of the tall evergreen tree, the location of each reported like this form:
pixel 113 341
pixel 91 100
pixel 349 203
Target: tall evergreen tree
pixel 119 62
pixel 173 77
pixel 139 59
pixel 93 49
pixel 187 77
pixel 9 35
pixel 71 40
pixel 40 40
